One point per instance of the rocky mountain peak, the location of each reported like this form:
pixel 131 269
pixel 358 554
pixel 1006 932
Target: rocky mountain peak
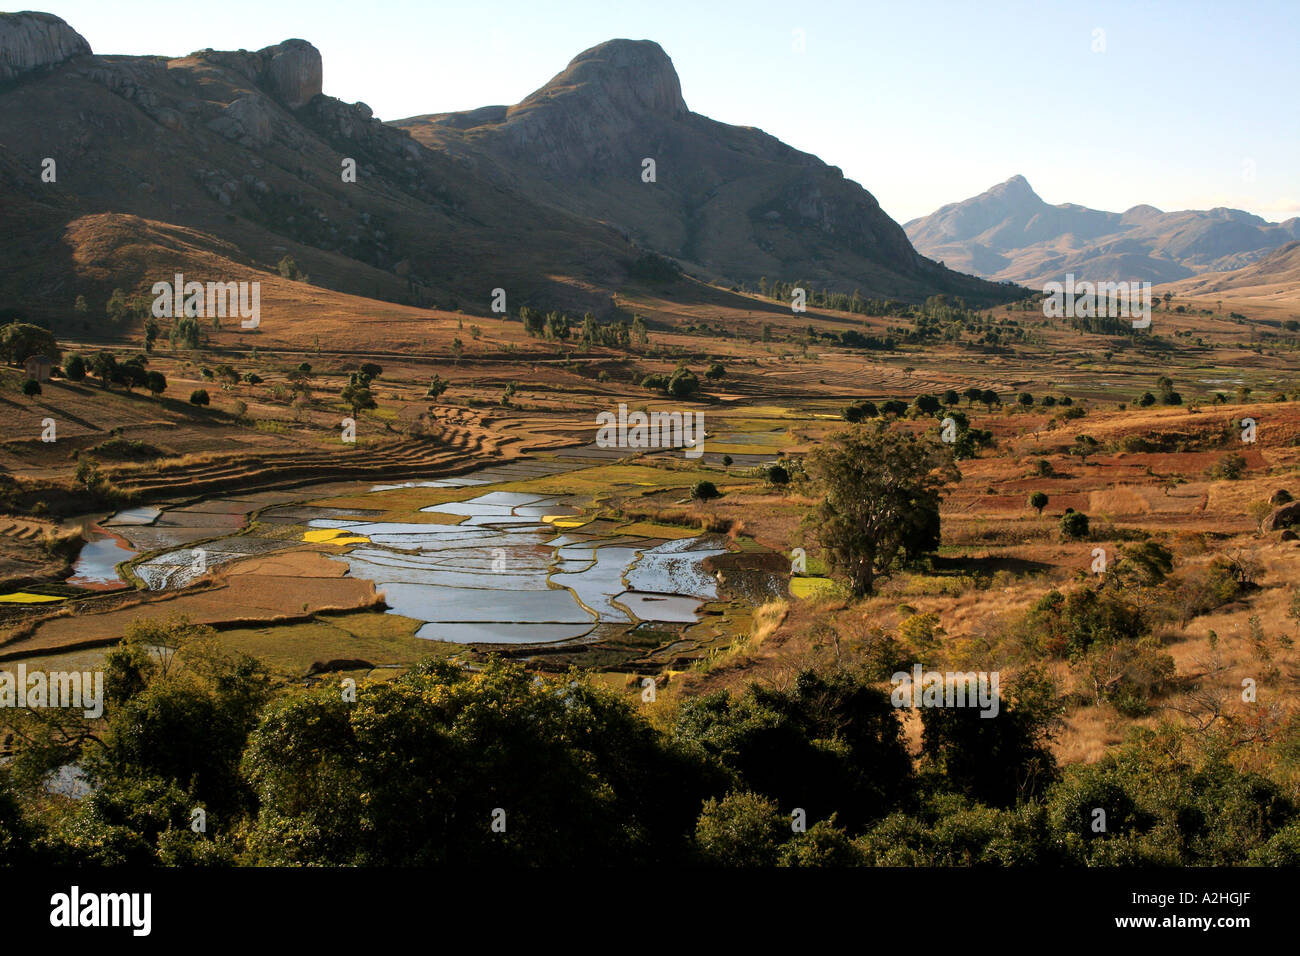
pixel 623 75
pixel 31 41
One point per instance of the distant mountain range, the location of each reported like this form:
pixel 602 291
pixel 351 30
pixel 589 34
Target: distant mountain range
pixel 1010 233
pixel 228 161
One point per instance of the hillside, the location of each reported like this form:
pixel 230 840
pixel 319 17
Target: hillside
pixel 238 159
pixel 730 202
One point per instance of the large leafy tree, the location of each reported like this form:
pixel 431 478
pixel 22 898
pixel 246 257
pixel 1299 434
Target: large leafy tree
pixel 882 491
pixel 20 340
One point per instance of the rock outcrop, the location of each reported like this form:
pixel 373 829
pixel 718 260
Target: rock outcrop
pixel 1283 517
pixel 34 41
pixel 291 72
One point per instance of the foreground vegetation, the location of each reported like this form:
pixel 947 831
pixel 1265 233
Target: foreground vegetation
pixel 444 765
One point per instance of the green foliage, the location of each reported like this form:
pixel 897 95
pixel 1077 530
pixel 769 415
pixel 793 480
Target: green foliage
pixel 683 383
pixel 859 412
pixel 1230 467
pixel 20 340
pixel 200 397
pixel 437 386
pixel 996 761
pixel 357 396
pixel 882 489
pixel 703 490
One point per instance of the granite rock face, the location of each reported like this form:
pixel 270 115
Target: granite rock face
pixel 291 72
pixel 33 41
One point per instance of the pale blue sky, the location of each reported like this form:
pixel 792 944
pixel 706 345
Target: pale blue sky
pixel 1191 104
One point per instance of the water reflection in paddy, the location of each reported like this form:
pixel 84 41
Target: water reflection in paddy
pixel 96 566
pixel 502 574
pixel 501 567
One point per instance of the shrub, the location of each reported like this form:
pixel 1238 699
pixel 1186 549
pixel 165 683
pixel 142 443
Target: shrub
pixel 1074 525
pixel 703 490
pixel 200 397
pixel 1229 468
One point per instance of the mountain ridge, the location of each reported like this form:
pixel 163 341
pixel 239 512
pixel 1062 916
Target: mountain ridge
pixel 1010 233
pixel 244 148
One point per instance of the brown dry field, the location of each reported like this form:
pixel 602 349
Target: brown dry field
pixel 998 556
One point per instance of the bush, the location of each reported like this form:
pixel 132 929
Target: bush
pixel 683 383
pixel 1229 468
pixel 1074 525
pixel 31 387
pixel 703 490
pixel 200 397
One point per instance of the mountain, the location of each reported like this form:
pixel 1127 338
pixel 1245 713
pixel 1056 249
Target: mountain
pixel 1010 233
pixel 1273 278
pixel 727 202
pixel 239 158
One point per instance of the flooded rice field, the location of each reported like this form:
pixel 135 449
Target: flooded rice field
pixel 470 564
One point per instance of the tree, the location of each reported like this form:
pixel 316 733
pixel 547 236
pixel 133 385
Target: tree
pixel 682 383
pixel 200 397
pixel 131 373
pixel 950 397
pixel 777 475
pixel 743 829
pixel 104 365
pixel 972 395
pixel 19 341
pixel 894 407
pixel 990 398
pixel 252 378
pixel 437 385
pixel 1038 501
pixel 371 370
pixel 186 333
pixel 716 371
pixel 288 268
pixel 994 761
pixel 882 491
pixel 357 397
pixel 118 307
pixel 394 780
pixel 704 490
pixel 926 404
pixel 860 411
pixel 75 370
pixel 1074 525
pixel 1025 400
pixel 156 382
pixel 151 330
pixel 1146 400
pixel 31 387
pixel 1084 445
